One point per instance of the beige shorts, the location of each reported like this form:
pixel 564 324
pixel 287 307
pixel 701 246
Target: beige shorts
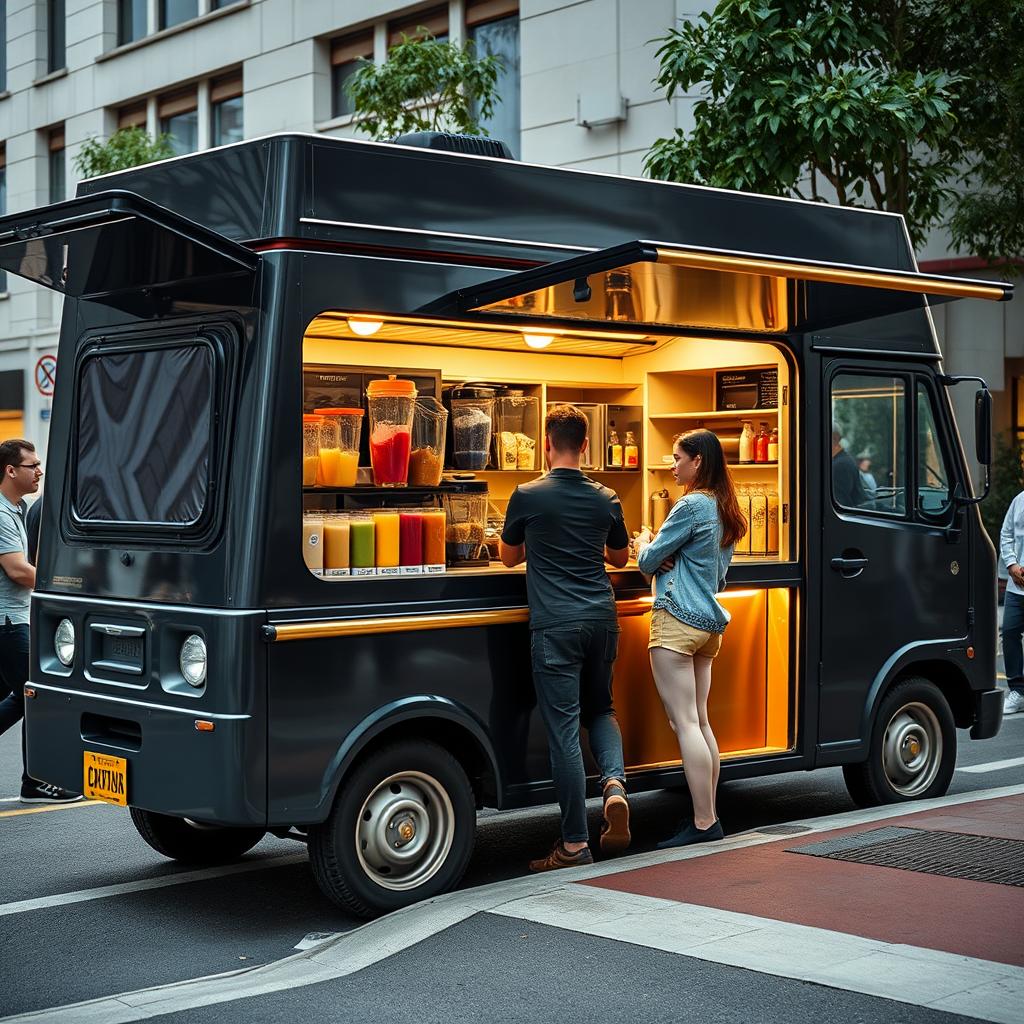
pixel 668 632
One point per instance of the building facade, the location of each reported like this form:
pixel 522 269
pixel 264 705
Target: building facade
pixel 577 90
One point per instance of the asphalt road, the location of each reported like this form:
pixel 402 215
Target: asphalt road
pixel 82 943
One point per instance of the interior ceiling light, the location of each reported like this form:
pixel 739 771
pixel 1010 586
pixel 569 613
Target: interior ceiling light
pixel 364 328
pixel 538 340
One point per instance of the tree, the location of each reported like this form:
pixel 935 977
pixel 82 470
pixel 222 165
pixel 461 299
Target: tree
pixel 425 85
pixel 801 92
pixel 126 148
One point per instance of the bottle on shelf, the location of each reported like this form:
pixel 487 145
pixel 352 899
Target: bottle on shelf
pixel 747 443
pixel 631 452
pixel 614 451
pixel 773 446
pixel 761 444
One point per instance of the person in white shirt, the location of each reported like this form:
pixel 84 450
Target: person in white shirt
pixel 1011 551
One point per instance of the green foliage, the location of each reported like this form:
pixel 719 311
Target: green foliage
pixel 126 148
pixel 425 85
pixel 799 91
pixel 1007 482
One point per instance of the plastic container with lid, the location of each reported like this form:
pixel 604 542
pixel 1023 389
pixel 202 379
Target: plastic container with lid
pixel 310 448
pixel 472 420
pixel 339 446
pixel 516 429
pixel 466 523
pixel 392 403
pixel 429 425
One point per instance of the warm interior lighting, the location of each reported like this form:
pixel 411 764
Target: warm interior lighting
pixel 365 328
pixel 538 340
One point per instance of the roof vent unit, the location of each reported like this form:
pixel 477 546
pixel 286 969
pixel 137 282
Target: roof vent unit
pixel 452 142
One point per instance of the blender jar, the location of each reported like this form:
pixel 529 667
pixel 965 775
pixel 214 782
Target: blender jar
pixel 429 422
pixel 466 516
pixel 516 426
pixel 472 418
pixel 310 448
pixel 339 446
pixel 391 405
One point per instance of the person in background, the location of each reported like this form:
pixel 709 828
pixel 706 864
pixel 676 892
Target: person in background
pixel 846 486
pixel 867 479
pixel 688 560
pixel 565 526
pixel 20 473
pixel 1011 552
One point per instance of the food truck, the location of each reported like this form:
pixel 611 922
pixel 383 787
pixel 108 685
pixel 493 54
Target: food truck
pixel 300 378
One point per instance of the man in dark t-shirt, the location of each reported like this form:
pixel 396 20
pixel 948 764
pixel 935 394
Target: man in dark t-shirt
pixel 846 486
pixel 566 526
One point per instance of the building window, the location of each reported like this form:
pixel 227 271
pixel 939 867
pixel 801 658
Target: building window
pixel 58 179
pixel 493 26
pixel 174 12
pixel 179 120
pixel 226 101
pixel 131 20
pixel 55 57
pixel 434 21
pixel 3 45
pixel 132 117
pixel 347 54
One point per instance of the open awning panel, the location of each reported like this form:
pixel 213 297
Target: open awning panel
pixel 115 242
pixel 653 284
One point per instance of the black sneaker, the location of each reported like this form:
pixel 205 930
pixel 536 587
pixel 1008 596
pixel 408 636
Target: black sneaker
pixel 44 793
pixel 690 834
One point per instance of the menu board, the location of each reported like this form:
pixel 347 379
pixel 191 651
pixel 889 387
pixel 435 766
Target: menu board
pixel 747 389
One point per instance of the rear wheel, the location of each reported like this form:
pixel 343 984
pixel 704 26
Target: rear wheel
pixel 192 842
pixel 401 830
pixel 913 748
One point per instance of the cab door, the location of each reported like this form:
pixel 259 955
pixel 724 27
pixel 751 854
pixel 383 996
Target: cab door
pixel 894 560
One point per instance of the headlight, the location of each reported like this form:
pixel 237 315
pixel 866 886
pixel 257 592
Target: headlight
pixel 64 641
pixel 193 660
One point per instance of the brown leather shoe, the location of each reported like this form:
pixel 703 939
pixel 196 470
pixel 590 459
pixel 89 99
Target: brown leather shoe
pixel 615 835
pixel 560 857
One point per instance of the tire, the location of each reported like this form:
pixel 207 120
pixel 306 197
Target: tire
pixel 401 830
pixel 191 842
pixel 913 748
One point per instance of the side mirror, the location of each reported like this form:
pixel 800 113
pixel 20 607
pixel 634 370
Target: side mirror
pixel 983 426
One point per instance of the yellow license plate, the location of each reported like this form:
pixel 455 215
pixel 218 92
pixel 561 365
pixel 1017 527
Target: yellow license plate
pixel 105 778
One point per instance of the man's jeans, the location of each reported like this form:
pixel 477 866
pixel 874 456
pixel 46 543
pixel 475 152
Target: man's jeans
pixel 1013 628
pixel 572 671
pixel 13 674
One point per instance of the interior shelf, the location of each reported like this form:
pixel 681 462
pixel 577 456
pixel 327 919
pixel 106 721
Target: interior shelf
pixel 728 414
pixel 731 465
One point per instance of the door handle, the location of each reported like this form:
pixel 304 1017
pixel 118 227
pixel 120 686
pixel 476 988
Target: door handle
pixel 848 566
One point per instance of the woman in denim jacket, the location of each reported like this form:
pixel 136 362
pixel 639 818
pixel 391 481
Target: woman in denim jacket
pixel 688 560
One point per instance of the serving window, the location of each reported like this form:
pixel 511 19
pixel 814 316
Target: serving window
pixel 437 451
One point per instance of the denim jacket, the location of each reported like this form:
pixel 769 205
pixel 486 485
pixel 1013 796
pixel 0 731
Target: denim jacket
pixel 693 534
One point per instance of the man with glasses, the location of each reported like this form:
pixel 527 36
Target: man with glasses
pixel 20 473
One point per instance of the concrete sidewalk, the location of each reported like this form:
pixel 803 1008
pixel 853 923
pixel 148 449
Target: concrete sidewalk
pixel 770 903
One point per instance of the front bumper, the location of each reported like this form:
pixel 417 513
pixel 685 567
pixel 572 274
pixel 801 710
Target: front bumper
pixel 988 714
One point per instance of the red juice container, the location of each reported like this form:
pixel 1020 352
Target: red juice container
pixel 410 542
pixel 392 403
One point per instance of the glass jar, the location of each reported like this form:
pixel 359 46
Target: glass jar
pixel 472 420
pixel 392 403
pixel 339 446
pixel 310 448
pixel 429 425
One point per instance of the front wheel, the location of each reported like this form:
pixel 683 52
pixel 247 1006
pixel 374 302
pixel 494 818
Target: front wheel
pixel 913 748
pixel 192 842
pixel 401 830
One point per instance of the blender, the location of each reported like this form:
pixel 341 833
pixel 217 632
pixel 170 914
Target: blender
pixel 391 404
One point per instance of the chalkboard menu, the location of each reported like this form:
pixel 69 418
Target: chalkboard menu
pixel 747 389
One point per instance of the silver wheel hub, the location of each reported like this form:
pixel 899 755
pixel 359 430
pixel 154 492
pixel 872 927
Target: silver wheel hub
pixel 405 830
pixel 912 749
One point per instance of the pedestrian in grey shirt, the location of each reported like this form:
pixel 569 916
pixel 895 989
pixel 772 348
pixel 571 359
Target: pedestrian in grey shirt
pixel 1011 552
pixel 20 473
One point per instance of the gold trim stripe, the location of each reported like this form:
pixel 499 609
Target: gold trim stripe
pixel 418 623
pixel 920 283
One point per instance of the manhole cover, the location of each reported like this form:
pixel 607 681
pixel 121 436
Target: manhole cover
pixel 952 854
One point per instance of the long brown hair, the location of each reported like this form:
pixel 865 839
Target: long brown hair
pixel 712 476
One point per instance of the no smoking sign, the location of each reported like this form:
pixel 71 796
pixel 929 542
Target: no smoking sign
pixel 46 375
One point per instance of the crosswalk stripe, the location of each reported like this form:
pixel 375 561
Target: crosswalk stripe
pixel 993 766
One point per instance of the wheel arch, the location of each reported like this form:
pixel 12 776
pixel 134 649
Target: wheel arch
pixel 423 717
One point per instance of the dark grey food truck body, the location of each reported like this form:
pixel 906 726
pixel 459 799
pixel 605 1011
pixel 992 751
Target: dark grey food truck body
pixel 172 537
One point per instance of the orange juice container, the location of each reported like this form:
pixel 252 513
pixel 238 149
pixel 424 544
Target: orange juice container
pixel 433 540
pixel 337 533
pixel 310 448
pixel 386 540
pixel 339 446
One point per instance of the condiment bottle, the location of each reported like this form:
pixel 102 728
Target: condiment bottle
pixel 773 446
pixel 761 444
pixel 632 452
pixel 614 451
pixel 747 443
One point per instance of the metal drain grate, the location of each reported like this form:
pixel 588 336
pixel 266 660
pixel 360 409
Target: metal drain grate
pixel 952 854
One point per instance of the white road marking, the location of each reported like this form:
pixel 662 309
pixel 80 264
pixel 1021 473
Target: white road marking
pixel 989 986
pixel 313 939
pixel 182 878
pixel 993 766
